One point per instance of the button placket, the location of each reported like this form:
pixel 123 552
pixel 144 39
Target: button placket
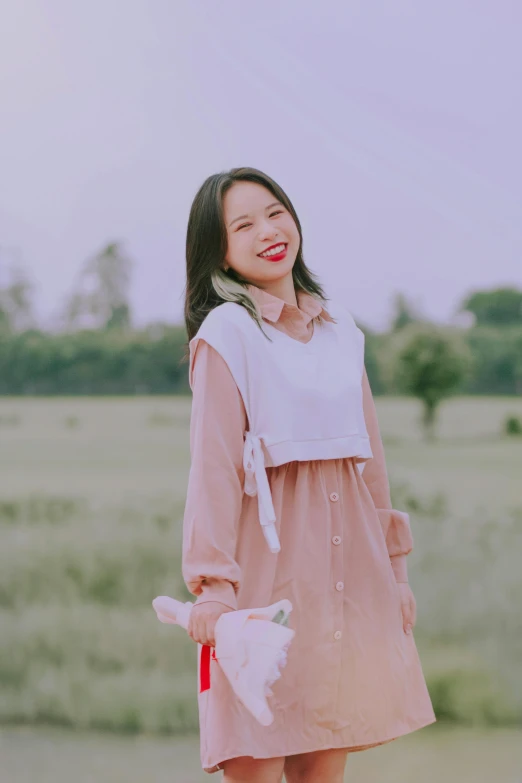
pixel 339 585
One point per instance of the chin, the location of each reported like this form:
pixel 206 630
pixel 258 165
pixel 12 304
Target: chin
pixel 279 269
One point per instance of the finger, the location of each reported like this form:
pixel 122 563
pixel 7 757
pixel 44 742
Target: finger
pixel 209 635
pixel 411 611
pixel 407 618
pixel 194 629
pixel 202 630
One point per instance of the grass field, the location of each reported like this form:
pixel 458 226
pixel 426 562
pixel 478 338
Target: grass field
pixel 452 755
pixel 91 502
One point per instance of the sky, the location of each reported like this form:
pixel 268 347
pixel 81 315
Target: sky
pixel 394 127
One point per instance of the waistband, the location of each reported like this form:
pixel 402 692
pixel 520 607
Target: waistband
pixel 256 483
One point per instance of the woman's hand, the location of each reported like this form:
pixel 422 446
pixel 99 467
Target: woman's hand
pixel 408 606
pixel 203 619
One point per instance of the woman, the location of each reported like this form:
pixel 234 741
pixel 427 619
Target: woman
pixel 288 497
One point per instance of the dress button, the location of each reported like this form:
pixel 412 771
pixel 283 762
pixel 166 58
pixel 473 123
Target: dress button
pixel 336 540
pixel 337 635
pixel 334 496
pixel 339 586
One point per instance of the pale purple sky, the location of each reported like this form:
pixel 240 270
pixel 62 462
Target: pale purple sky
pixel 394 127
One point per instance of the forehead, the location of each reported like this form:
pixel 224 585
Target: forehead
pixel 245 197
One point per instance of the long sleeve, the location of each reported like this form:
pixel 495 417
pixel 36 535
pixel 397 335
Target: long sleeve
pixel 395 524
pixel 215 486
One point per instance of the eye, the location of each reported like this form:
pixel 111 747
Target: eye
pixel 277 212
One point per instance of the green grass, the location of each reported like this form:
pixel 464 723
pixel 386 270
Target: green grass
pixel 90 525
pixel 454 755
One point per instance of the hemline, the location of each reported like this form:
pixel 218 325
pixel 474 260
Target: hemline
pixel 349 748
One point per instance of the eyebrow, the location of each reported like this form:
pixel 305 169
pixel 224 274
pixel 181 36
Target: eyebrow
pixel 276 203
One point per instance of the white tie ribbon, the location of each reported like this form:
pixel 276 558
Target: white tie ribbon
pixel 256 483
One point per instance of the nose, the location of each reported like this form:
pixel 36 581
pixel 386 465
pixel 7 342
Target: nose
pixel 267 230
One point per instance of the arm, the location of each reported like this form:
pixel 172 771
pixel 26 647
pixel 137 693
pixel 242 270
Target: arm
pixel 215 486
pixel 395 524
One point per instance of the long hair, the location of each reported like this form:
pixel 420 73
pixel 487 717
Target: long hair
pixel 208 284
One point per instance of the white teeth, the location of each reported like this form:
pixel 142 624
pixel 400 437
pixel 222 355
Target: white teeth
pixel 274 251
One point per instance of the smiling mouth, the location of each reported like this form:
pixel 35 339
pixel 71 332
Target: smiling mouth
pixel 274 255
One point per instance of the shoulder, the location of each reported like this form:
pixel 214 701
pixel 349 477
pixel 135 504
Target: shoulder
pixel 344 317
pixel 208 368
pixel 227 314
pixel 340 312
pixel 223 331
pixel 220 323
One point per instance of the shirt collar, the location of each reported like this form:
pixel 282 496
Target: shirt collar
pixel 272 307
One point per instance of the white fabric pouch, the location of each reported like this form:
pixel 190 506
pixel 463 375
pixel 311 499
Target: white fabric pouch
pixel 251 648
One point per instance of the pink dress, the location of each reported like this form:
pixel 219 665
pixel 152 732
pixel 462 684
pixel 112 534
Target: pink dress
pixel 353 677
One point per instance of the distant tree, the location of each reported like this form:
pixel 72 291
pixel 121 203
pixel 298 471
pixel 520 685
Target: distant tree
pixel 499 307
pixel 120 317
pixel 497 353
pixel 101 297
pixel 16 296
pixel 372 343
pixel 405 313
pixel 429 363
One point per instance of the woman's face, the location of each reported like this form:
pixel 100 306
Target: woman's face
pixel 255 222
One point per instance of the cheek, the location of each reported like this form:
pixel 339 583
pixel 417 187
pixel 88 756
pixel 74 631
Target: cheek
pixel 239 249
pixel 291 230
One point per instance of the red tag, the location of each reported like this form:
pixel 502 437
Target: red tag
pixel 204 667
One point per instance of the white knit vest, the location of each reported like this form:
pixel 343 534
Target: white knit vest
pixel 303 400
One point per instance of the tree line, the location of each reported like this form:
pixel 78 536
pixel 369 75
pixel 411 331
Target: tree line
pixel 147 361
pixel 97 350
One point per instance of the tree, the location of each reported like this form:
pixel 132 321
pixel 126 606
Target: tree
pixel 16 298
pixel 497 353
pixel 405 313
pixel 101 297
pixel 429 363
pixel 499 307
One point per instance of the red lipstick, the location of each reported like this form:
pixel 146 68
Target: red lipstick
pixel 278 257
